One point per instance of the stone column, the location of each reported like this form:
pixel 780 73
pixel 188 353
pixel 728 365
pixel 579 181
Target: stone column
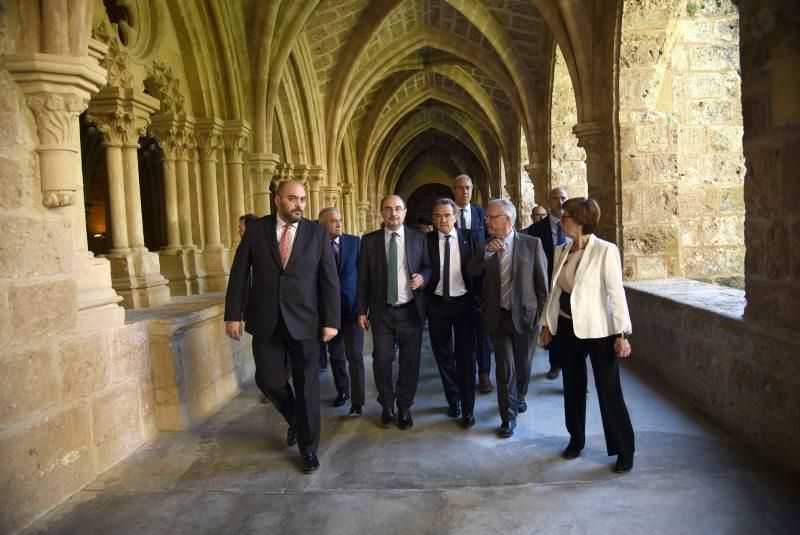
pixel 57 89
pixel 262 169
pixel 513 195
pixel 539 177
pixel 236 137
pixel 316 175
pixel 331 195
pixel 596 140
pixel 363 211
pixel 122 116
pixel 301 173
pixel 215 255
pixel 348 209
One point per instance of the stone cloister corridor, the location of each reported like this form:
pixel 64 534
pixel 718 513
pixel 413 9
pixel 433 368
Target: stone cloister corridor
pixel 135 133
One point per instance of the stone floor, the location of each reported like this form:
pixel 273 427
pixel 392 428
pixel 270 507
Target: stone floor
pixel 234 474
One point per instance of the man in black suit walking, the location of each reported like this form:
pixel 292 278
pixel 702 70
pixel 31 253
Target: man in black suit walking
pixel 293 303
pixel 470 216
pixel 346 348
pixel 392 272
pixel 452 310
pixel 550 232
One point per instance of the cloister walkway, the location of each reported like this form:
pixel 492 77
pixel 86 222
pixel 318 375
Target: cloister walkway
pixel 234 474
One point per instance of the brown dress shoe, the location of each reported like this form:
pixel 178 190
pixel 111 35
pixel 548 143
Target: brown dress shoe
pixel 484 384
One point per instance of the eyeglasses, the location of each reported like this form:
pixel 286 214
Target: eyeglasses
pixel 389 209
pixel 442 216
pixel 493 217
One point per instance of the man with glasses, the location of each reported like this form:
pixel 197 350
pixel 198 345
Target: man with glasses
pixel 452 310
pixel 552 235
pixel 513 267
pixel 471 217
pixel 537 214
pixel 392 272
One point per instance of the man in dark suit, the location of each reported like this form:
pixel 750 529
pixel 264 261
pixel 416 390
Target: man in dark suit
pixel 549 231
pixel 513 266
pixel 471 216
pixel 392 272
pixel 452 311
pixel 293 304
pixel 346 348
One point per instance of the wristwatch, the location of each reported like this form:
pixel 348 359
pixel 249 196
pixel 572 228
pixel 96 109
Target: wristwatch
pixel 624 335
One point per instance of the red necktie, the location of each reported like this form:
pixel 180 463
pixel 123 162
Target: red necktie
pixel 283 246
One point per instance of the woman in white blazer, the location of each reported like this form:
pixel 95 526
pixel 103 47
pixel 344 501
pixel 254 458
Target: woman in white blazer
pixel 586 314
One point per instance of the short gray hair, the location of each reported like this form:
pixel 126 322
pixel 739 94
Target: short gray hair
pixel 327 210
pixel 462 177
pixel 508 208
pixel 445 201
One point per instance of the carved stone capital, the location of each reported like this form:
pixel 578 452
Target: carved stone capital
pixel 362 207
pixel 301 174
pixel 347 191
pixel 174 135
pixel 284 171
pixel 209 138
pixel 330 195
pixel 593 138
pixel 262 169
pixel 236 136
pixel 57 90
pixel 122 115
pixel 316 174
pixel 513 192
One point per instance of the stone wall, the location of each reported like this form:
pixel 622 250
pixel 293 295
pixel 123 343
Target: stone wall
pixel 743 373
pixel 681 141
pixel 567 159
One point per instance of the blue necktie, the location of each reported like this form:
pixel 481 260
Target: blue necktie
pixel 560 234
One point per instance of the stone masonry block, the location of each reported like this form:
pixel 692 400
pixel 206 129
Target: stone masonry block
pixel 43 465
pixel 642 50
pixel 42 310
pixel 652 267
pixel 37 246
pixel 116 423
pixel 129 351
pixel 692 139
pixel 727 30
pixel 694 30
pixel 84 365
pixel 725 138
pixel 709 111
pixel 714 58
pixel 706 85
pixel 13 111
pixel 29 385
pixel 724 169
pixel 651 240
pixel 652 137
pixel 645 15
pixel 12 187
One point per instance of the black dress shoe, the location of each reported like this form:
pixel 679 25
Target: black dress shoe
pixel 554 372
pixel 623 464
pixel 355 410
pixel 310 462
pixel 522 406
pixel 387 416
pixel 467 421
pixel 341 398
pixel 291 436
pixel 404 419
pixel 571 452
pixel 506 429
pixel 454 410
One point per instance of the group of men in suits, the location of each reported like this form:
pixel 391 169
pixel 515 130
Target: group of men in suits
pixel 474 279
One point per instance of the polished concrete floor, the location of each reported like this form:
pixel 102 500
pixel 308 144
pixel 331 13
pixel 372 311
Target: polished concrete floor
pixel 234 474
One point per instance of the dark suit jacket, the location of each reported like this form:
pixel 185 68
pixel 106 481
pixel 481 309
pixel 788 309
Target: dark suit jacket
pixel 542 230
pixel 305 293
pixel 528 283
pixel 348 272
pixel 468 243
pixel 478 214
pixel 372 272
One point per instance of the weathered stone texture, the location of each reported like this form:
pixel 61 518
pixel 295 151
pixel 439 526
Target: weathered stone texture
pixel 36 246
pixel 116 423
pixel 42 309
pixel 29 385
pixel 567 167
pixel 84 365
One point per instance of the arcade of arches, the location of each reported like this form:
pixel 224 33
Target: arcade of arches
pixel 134 133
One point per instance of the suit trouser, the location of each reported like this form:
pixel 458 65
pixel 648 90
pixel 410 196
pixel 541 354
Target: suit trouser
pixel 403 326
pixel 346 350
pixel 301 411
pixel 455 361
pixel 483 349
pixel 513 353
pixel 605 366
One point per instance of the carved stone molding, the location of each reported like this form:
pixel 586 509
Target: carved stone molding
pixel 236 137
pixel 301 174
pixel 122 115
pixel 174 135
pixel 209 138
pixel 316 174
pixel 513 192
pixel 163 84
pixel 57 89
pixel 262 169
pixel 331 195
pixel 594 139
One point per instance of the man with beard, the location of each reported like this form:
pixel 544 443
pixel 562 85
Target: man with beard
pixel 293 303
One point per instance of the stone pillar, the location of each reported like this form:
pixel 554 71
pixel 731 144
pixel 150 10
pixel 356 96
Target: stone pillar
pixel 596 140
pixel 57 89
pixel 178 257
pixel 363 211
pixel 262 169
pixel 348 209
pixel 316 174
pixel 122 116
pixel 301 173
pixel 215 255
pixel 539 177
pixel 236 137
pixel 331 195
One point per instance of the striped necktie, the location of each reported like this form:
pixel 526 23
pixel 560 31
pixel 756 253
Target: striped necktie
pixel 505 279
pixel 283 246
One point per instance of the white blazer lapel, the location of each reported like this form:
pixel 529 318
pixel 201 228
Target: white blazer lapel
pixel 585 259
pixel 559 261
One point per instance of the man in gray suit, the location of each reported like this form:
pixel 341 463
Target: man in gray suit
pixel 513 266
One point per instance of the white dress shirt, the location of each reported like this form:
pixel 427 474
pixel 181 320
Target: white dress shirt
pixel 404 293
pixel 292 234
pixel 467 216
pixel 457 286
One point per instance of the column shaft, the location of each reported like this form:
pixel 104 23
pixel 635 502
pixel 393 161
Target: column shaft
pixel 133 197
pixel 208 171
pixel 184 203
pixel 171 202
pixel 116 197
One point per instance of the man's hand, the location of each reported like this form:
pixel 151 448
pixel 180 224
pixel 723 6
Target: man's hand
pixel 545 336
pixel 328 333
pixel 363 321
pixel 415 281
pixel 495 245
pixel 234 329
